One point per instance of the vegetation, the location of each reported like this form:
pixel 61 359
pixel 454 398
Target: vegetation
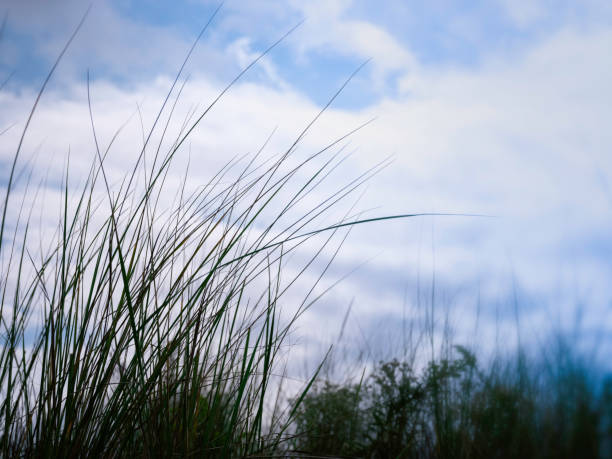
pixel 150 324
pixel 455 408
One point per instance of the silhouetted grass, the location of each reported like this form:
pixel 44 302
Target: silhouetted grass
pixel 151 326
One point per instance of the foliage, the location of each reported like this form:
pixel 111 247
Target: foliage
pixel 454 408
pixel 330 418
pixel 395 417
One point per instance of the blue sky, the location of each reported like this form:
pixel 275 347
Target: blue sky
pixel 498 107
pixel 441 35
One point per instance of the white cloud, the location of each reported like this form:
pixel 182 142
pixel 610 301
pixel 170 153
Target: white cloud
pixel 524 12
pixel 328 29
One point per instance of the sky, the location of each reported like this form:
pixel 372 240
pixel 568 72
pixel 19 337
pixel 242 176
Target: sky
pixel 497 107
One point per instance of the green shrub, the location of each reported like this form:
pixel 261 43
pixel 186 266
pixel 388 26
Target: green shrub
pixel 396 422
pixel 455 408
pixel 330 420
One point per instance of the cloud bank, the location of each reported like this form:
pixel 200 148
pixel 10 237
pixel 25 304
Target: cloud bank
pixel 519 132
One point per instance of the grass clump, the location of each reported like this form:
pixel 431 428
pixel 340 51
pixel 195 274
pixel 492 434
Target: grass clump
pixel 147 325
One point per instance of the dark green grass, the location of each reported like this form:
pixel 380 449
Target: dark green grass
pixel 149 328
pixel 149 321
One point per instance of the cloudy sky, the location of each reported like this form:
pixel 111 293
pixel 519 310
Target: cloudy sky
pixel 497 107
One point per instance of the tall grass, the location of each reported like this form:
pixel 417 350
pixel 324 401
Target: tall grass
pixel 150 326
